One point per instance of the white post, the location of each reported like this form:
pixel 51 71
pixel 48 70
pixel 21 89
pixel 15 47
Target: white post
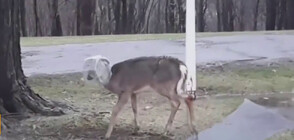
pixel 191 41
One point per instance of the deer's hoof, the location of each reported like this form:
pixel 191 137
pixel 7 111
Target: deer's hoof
pixel 136 130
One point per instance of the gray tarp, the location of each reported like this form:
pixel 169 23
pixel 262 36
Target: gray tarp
pixel 249 122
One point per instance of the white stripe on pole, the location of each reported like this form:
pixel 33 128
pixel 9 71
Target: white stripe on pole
pixel 190 41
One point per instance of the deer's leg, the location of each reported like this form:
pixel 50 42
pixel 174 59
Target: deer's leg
pixel 134 107
pixel 175 104
pixel 190 115
pixel 122 100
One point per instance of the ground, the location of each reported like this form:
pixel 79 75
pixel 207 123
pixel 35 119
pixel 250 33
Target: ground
pixel 92 104
pixel 227 73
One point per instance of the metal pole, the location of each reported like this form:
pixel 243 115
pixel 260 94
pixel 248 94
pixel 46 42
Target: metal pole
pixel 191 41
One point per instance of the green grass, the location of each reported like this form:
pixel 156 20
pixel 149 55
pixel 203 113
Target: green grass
pixel 264 80
pixel 47 41
pixel 288 135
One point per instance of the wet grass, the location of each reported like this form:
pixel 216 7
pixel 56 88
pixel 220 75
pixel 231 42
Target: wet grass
pixel 49 41
pixel 95 104
pixel 263 80
pixel 92 100
pixel 288 135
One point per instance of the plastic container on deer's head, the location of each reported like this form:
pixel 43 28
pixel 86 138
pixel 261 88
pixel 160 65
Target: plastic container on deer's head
pixel 96 70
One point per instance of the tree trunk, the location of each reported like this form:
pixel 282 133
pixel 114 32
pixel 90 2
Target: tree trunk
pixel 78 17
pixel 56 29
pixel 201 9
pixel 22 14
pixel 256 12
pixel 242 15
pixel 117 15
pixel 182 17
pixel 281 14
pixel 131 16
pixel 124 16
pixel 290 14
pixel 15 95
pixel 218 12
pixel 270 14
pixel 38 31
pixel 85 11
pixel 225 15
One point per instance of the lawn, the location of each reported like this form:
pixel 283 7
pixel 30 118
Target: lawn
pixel 47 41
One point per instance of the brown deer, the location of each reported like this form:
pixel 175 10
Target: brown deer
pixel 165 75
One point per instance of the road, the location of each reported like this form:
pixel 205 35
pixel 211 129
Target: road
pixel 69 58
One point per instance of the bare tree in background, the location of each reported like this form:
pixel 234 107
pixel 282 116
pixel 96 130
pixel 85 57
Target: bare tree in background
pixel 131 16
pixel 89 17
pixel 56 29
pixel 290 14
pixel 218 12
pixel 201 6
pixel 22 13
pixel 256 12
pixel 270 14
pixel 182 16
pixel 227 15
pixel 85 13
pixel 170 16
pixel 38 31
pixel 281 14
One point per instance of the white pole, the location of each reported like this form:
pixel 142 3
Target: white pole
pixel 190 41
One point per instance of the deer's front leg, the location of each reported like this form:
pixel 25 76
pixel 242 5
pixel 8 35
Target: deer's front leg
pixel 122 100
pixel 134 107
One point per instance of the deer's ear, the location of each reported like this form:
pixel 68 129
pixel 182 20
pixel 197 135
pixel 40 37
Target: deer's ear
pixel 105 61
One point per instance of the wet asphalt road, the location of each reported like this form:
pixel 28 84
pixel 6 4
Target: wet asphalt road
pixel 69 58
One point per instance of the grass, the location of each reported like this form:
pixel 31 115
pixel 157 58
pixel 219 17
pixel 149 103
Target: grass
pixel 91 100
pixel 288 135
pixel 48 41
pixel 265 80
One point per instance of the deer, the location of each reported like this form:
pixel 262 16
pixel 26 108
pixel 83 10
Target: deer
pixel 166 75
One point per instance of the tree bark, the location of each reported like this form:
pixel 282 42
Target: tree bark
pixel 281 14
pixel 15 95
pixel 218 11
pixel 242 15
pixel 182 16
pixel 117 15
pixel 56 29
pixel 270 14
pixel 78 19
pixel 290 14
pixel 124 16
pixel 22 14
pixel 227 15
pixel 85 11
pixel 131 16
pixel 256 12
pixel 38 31
pixel 201 10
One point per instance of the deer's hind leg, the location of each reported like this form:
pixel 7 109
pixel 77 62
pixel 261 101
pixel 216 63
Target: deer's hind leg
pixel 168 91
pixel 175 104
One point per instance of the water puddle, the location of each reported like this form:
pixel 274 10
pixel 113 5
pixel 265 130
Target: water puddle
pixel 257 118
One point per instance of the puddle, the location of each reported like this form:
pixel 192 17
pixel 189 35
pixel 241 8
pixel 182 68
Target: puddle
pixel 257 118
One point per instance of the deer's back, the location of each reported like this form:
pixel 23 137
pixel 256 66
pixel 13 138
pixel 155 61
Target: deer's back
pixel 134 74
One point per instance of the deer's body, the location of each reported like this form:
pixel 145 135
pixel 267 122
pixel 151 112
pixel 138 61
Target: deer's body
pixel 165 75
